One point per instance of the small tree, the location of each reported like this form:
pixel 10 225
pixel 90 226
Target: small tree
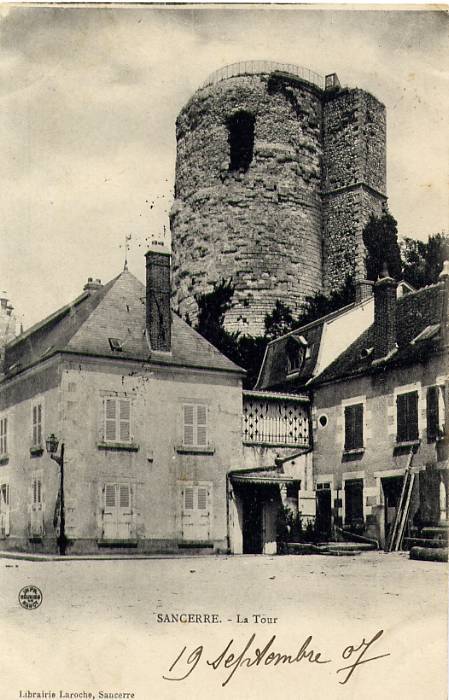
pixel 380 237
pixel 423 260
pixel 212 307
pixel 279 322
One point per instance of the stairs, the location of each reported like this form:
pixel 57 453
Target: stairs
pixel 429 543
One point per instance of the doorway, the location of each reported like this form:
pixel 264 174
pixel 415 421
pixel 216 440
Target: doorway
pixel 392 488
pixel 323 511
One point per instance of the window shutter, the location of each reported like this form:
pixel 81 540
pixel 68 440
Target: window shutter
pixel 34 425
pixel 413 433
pixel 358 426
pixel 401 412
pixel 348 427
pixel 125 416
pixel 432 412
pixel 110 420
pixel 202 498
pixel 188 498
pixel 39 424
pixel 201 417
pixel 110 496
pixel 189 425
pixel 124 496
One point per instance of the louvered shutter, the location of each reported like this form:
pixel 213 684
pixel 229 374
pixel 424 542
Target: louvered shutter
pixel 201 425
pixel 358 426
pixel 110 496
pixel 412 401
pixel 401 414
pixel 354 427
pixel 124 496
pixel 125 416
pixel 110 410
pixel 349 432
pixel 189 424
pixel 432 405
pixel 188 498
pixel 202 498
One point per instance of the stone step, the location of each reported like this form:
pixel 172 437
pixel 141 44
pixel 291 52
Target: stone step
pixel 427 554
pixel 422 542
pixel 435 533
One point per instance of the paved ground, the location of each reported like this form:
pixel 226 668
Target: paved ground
pixel 97 627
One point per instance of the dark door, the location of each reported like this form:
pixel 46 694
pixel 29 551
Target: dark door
pixel 323 513
pixel 392 488
pixel 252 524
pixel 354 502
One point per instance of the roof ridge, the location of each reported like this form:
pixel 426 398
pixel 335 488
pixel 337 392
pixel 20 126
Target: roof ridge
pixel 59 313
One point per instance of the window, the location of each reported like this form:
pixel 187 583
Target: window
pixel 407 417
pixel 117 419
pixel 195 425
pixel 196 511
pixel 435 412
pixel 4 495
pixel 3 436
pixel 296 353
pixel 354 427
pixel 241 140
pixel 118 521
pixel 37 425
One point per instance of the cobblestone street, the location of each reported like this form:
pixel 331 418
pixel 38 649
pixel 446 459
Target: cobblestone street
pixel 99 620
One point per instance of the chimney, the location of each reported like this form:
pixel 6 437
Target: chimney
pixel 92 285
pixel 384 315
pixel 158 312
pixel 363 290
pixel 444 277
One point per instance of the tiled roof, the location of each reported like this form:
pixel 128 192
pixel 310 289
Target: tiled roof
pixel 116 310
pixel 415 312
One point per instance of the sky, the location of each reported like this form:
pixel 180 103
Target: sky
pixel 89 99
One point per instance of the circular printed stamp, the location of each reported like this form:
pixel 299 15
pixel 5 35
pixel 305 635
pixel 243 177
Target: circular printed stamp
pixel 30 597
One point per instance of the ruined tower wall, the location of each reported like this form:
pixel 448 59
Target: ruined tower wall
pixel 262 227
pixel 354 179
pixel 286 220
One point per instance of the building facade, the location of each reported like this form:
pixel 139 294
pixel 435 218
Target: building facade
pixel 379 413
pixel 148 412
pixel 277 173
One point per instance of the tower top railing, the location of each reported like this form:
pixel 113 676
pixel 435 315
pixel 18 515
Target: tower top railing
pixel 255 67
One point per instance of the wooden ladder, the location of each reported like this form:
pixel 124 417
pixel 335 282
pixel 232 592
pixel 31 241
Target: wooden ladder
pixel 400 520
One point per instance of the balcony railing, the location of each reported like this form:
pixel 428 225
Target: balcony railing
pixel 274 421
pixel 256 67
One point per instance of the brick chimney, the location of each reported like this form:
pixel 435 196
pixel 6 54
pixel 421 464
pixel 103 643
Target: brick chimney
pixel 158 312
pixel 92 285
pixel 444 277
pixel 384 315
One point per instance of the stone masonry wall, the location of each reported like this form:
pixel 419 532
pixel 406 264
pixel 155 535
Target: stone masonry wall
pixel 262 228
pixel 292 224
pixel 354 179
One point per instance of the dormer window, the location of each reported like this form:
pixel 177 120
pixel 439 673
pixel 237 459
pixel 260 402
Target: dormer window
pixel 296 350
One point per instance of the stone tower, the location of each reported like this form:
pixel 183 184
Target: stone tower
pixel 277 171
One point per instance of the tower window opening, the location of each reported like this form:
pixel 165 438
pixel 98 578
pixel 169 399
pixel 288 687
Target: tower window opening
pixel 241 140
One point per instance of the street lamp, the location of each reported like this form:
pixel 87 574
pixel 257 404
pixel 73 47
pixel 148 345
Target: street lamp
pixel 51 444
